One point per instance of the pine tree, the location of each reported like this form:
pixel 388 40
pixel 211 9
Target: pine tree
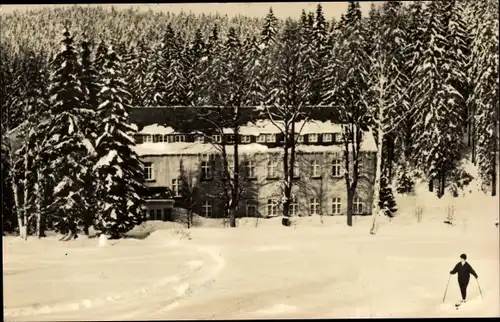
pixel 319 54
pixel 405 183
pixel 386 199
pixel 413 51
pixel 194 69
pixel 267 47
pixel 137 79
pixel 485 98
pixel 393 44
pixel 437 124
pixel 118 169
pixel 66 146
pixel 90 86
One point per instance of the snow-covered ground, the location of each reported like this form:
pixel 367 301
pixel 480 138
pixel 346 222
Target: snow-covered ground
pixel 313 269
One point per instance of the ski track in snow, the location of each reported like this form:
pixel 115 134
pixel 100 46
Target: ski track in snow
pixel 186 290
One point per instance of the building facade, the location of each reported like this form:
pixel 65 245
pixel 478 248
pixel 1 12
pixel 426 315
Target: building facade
pixel 189 166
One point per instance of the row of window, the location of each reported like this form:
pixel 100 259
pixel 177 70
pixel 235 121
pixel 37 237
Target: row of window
pixel 273 208
pixel 262 138
pixel 250 169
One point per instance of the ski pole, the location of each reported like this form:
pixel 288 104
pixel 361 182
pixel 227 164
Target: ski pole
pixel 446 290
pixel 480 292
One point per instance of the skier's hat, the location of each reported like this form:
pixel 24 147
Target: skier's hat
pixel 463 256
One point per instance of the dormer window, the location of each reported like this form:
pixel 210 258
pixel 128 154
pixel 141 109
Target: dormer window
pixel 245 139
pixel 217 138
pixel 299 138
pixel 179 138
pixel 270 138
pixel 327 137
pixel 200 139
pixel 261 138
pixel 147 138
pixel 313 138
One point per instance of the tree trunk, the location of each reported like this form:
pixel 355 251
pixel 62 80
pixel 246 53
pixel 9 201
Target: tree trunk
pixel 442 181
pixel 378 173
pixel 350 202
pixel 38 201
pixel 494 182
pixel 287 166
pixel 431 185
pixel 236 178
pixel 473 152
pixel 390 156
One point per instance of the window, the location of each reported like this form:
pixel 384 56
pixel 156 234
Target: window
pixel 245 139
pixel 294 206
pixel 179 138
pixel 314 206
pixel 148 171
pixel 336 210
pixel 337 138
pixel 175 187
pixel 271 138
pixel 358 205
pixel 313 138
pixel 300 139
pixel 250 168
pixel 207 208
pixel 272 166
pixel 156 214
pixel 327 137
pixel 272 208
pixel 159 214
pixel 157 138
pixel 252 208
pixel 296 170
pixel 261 138
pixel 147 138
pixel 315 169
pixel 217 138
pixel 200 139
pixel 206 170
pixel 336 168
pixel 230 138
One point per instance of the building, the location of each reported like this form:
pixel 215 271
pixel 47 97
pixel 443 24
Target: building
pixel 187 163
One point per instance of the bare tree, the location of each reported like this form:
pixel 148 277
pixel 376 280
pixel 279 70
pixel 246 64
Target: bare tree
pixel 289 88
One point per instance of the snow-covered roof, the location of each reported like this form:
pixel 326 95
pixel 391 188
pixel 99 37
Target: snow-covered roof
pixel 156 129
pixel 196 148
pixel 260 127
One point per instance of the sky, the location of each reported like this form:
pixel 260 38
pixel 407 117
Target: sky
pixel 259 9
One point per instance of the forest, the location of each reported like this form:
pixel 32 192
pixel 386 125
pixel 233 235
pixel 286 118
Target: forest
pixel 422 76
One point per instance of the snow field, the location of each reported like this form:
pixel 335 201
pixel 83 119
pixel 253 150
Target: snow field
pixel 317 268
pixel 265 272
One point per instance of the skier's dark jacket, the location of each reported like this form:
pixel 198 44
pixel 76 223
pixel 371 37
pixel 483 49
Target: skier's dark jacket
pixel 464 271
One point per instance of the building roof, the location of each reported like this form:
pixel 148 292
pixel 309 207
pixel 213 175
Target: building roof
pixel 196 148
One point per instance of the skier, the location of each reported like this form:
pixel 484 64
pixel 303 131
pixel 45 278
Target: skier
pixel 464 271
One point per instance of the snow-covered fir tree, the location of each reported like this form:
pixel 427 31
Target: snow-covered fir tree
pixel 485 98
pixel 118 169
pixel 437 124
pixel 386 198
pixel 66 146
pixel 90 85
pixel 137 78
pixel 413 51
